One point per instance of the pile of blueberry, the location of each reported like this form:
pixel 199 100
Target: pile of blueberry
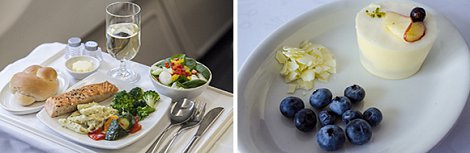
pixel 331 137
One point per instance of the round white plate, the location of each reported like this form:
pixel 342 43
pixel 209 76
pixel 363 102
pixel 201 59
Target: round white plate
pixel 418 111
pixel 9 102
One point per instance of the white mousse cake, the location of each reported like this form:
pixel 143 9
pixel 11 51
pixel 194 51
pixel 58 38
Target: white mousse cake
pixel 395 37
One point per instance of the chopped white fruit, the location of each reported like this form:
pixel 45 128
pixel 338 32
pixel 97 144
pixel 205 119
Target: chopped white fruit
pixel 280 57
pixel 305 84
pixel 301 66
pixel 292 65
pixel 165 77
pixel 291 76
pixel 396 24
pixel 308 75
pixel 306 60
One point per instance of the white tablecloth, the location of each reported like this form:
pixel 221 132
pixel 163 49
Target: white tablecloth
pixel 258 18
pixel 13 140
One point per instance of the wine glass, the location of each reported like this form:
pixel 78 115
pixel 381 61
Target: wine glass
pixel 123 37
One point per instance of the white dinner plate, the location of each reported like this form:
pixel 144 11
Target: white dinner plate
pixel 10 103
pixel 418 111
pixel 148 123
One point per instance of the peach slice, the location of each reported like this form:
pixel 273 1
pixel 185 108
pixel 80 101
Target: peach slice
pixel 415 32
pixel 396 24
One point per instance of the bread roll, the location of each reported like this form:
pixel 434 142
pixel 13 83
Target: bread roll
pixel 67 102
pixel 35 83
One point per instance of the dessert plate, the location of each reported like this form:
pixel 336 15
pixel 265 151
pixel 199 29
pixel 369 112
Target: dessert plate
pixel 418 111
pixel 9 102
pixel 148 123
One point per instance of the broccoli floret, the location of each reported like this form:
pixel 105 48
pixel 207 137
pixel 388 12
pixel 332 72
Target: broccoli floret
pixel 151 97
pixel 126 102
pixel 143 112
pixel 123 101
pixel 141 103
pixel 137 93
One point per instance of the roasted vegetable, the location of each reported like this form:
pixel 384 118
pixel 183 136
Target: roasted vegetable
pixel 126 121
pixel 136 126
pixel 97 134
pixel 115 131
pixel 108 122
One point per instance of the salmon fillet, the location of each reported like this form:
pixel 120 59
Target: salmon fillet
pixel 67 102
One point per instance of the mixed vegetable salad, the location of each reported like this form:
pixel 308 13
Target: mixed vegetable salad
pixel 181 72
pixel 132 107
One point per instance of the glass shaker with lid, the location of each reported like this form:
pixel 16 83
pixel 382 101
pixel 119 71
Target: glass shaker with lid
pixel 92 49
pixel 73 47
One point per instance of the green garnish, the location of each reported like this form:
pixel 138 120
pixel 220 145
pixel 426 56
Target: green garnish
pixel 375 13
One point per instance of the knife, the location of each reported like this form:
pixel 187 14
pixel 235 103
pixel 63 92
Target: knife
pixel 206 122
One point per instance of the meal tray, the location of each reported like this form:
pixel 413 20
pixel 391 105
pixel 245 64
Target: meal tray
pixel 30 126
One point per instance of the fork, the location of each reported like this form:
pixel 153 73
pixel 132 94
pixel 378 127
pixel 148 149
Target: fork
pixel 193 122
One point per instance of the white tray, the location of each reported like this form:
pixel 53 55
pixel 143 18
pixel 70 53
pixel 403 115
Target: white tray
pixel 31 126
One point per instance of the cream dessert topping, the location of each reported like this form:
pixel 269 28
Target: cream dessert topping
pixel 393 44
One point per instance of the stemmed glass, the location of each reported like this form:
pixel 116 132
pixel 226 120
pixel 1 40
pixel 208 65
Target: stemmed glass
pixel 123 37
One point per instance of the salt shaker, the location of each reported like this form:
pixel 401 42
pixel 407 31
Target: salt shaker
pixel 91 49
pixel 73 47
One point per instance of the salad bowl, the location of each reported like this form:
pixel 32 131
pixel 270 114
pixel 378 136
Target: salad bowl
pixel 179 93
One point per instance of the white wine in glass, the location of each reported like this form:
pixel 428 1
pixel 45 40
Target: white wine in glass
pixel 123 40
pixel 123 37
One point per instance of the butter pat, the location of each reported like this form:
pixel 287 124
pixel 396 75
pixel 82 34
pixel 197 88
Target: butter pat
pixel 82 66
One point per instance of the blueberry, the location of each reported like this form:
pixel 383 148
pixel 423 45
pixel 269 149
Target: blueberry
pixel 305 120
pixel 339 105
pixel 355 93
pixel 350 115
pixel 320 98
pixel 330 138
pixel 291 105
pixel 373 116
pixel 326 118
pixel 418 14
pixel 358 132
